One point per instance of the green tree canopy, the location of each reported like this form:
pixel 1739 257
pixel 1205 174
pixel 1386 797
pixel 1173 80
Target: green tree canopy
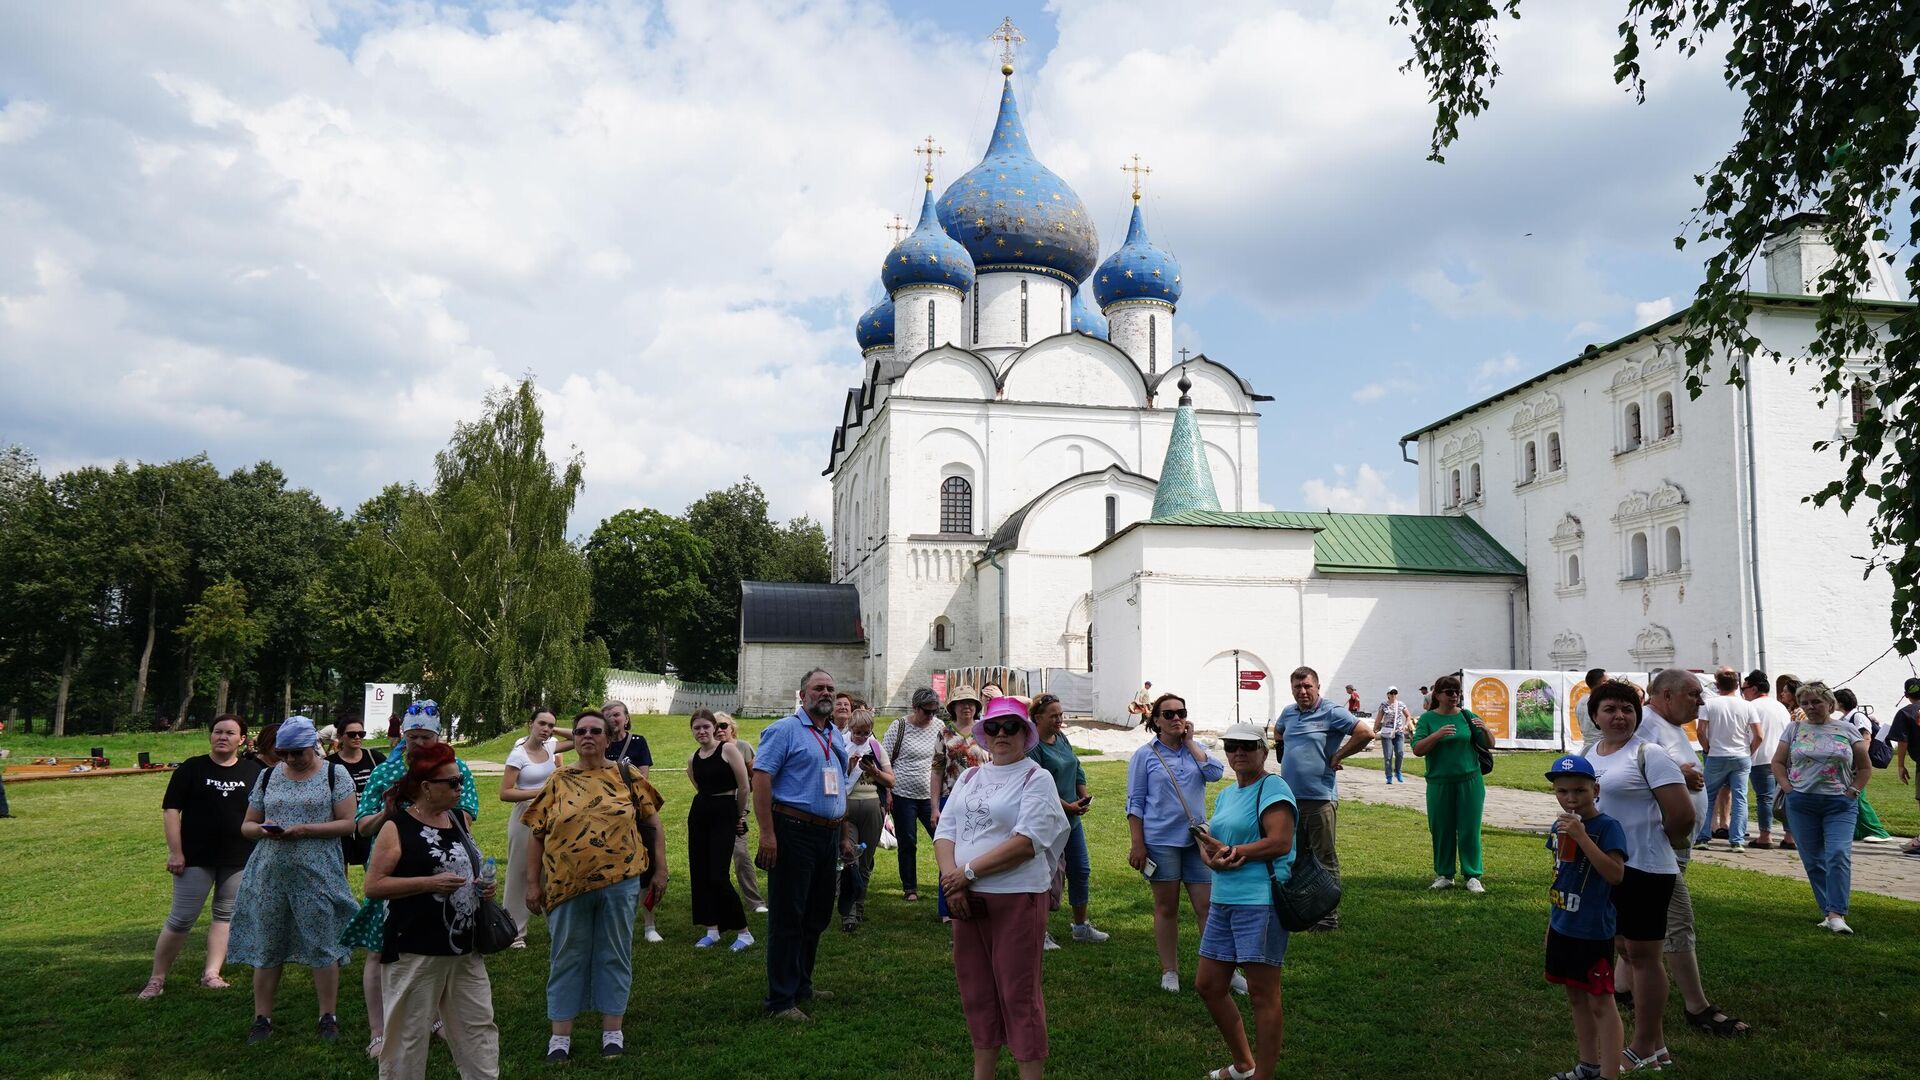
pixel 221 635
pixel 647 584
pixel 1830 125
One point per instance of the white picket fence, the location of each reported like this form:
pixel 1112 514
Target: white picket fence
pixel 645 693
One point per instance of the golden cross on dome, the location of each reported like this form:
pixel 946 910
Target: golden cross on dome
pixel 1138 170
pixel 898 227
pixel 1009 36
pixel 929 151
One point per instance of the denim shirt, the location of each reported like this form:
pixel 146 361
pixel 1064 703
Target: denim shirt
pixel 1150 794
pixel 791 755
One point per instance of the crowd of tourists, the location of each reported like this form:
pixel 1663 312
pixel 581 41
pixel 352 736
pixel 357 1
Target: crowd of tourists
pixel 268 834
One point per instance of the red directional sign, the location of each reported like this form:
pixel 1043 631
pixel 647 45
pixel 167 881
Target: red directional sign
pixel 1254 676
pixel 1249 684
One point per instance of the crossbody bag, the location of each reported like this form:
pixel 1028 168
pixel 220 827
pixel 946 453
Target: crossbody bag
pixel 1311 892
pixel 1195 827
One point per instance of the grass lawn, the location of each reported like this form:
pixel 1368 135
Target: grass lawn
pixel 1415 982
pixel 1527 770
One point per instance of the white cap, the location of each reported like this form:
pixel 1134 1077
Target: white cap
pixel 1393 689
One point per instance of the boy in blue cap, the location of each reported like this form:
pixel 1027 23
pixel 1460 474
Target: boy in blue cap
pixel 1590 858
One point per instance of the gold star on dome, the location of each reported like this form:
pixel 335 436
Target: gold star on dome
pixel 999 241
pixel 1176 279
pixel 999 206
pixel 1060 226
pixel 1156 273
pixel 1003 176
pixel 979 221
pixel 903 259
pixel 936 258
pixel 1017 252
pixel 1019 191
pixel 1129 273
pixel 1103 279
pixel 1019 221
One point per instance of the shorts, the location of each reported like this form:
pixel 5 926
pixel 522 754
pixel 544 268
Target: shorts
pixel 1244 934
pixel 1582 963
pixel 1640 905
pixel 1179 864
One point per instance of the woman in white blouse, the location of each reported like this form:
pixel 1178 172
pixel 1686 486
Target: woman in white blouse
pixel 1001 835
pixel 529 763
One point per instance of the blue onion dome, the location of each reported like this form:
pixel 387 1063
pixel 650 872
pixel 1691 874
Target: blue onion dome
pixel 1139 270
pixel 875 329
pixel 1085 319
pixel 1013 213
pixel 927 256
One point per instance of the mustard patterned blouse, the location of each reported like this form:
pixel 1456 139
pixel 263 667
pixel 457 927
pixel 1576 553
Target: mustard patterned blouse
pixel 585 821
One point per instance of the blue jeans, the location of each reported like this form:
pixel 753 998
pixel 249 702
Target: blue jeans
pixel 905 813
pixel 1823 829
pixel 1393 749
pixel 800 905
pixel 1763 796
pixel 1725 772
pixel 592 964
pixel 1079 866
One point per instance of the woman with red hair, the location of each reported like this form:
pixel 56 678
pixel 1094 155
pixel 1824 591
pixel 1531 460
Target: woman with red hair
pixel 426 867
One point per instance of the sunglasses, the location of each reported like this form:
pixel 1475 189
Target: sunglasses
pixel 450 781
pixel 353 734
pixel 428 709
pixel 998 726
pixel 589 731
pixel 1454 693
pixel 1236 746
pixel 1173 714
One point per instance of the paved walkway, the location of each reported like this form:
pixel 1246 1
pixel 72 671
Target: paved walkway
pixel 1877 868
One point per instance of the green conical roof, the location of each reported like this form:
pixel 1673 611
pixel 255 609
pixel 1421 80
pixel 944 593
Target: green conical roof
pixel 1186 483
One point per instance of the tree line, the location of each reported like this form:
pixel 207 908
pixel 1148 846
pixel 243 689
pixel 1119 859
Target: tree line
pixel 154 595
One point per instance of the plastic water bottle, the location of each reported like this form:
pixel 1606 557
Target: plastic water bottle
pixel 488 870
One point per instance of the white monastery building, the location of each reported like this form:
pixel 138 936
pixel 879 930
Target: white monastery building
pixel 1024 481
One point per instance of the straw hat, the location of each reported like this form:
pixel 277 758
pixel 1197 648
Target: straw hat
pixel 965 693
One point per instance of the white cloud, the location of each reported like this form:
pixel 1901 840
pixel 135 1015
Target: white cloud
pixel 1492 370
pixel 1374 391
pixel 1366 491
pixel 1651 311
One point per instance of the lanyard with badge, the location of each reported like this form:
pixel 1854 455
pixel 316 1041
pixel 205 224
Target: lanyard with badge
pixel 829 772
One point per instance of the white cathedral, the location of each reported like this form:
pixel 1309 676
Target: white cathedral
pixel 1027 479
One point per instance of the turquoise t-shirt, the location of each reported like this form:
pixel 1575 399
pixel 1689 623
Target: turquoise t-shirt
pixel 1236 821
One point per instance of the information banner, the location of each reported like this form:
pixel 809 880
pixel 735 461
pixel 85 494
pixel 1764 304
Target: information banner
pixel 1520 708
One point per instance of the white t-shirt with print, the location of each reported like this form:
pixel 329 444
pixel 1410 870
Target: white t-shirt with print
pixel 990 804
pixel 1820 757
pixel 1626 795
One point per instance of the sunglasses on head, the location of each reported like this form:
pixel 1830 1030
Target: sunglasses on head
pixel 998 726
pixel 589 731
pixel 418 709
pixel 1235 746
pixel 1173 714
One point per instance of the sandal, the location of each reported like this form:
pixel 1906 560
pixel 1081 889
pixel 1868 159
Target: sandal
pixel 849 924
pixel 214 982
pixel 1657 1061
pixel 1228 1072
pixel 1714 1021
pixel 912 897
pixel 153 989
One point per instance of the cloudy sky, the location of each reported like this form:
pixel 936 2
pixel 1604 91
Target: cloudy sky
pixel 318 231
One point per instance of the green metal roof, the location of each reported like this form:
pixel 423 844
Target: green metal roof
pixel 1375 543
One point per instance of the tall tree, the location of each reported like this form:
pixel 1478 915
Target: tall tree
pixel 745 545
pixel 1831 124
pixel 157 502
pixel 363 634
pixel 61 571
pixel 800 552
pixel 220 633
pixel 647 586
pixel 483 565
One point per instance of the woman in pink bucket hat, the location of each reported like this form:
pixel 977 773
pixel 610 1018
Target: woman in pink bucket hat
pixel 997 846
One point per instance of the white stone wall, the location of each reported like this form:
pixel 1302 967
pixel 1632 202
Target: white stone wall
pixel 911 312
pixel 1049 309
pixel 1199 595
pixel 770 674
pixel 1819 617
pixel 1144 331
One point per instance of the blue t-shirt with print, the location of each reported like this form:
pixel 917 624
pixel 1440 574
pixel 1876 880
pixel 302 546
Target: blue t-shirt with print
pixel 1582 899
pixel 1236 820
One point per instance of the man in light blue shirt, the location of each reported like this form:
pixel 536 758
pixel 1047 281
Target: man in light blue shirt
pixel 800 803
pixel 1310 732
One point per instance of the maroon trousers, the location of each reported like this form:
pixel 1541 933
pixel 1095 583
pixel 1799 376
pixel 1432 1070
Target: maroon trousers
pixel 996 960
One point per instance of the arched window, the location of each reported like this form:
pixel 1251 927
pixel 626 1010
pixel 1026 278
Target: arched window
pixel 976 314
pixel 1553 451
pixel 1632 440
pixel 956 505
pixel 1637 556
pixel 1857 398
pixel 1663 406
pixel 930 317
pixel 1573 570
pixel 942 635
pixel 1530 471
pixel 1113 513
pixel 1474 475
pixel 1023 312
pixel 1089 646
pixel 1673 563
pixel 1454 498
pixel 1153 345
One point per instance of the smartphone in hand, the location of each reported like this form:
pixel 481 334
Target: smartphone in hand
pixel 275 829
pixel 1149 869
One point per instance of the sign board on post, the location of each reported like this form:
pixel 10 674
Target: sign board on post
pixel 1519 707
pixel 940 684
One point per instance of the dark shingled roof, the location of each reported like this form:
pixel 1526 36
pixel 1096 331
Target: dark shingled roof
pixel 799 613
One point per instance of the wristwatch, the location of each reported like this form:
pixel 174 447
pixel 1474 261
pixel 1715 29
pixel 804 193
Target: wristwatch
pixel 967 870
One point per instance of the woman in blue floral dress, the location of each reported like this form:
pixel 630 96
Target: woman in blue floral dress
pixel 294 901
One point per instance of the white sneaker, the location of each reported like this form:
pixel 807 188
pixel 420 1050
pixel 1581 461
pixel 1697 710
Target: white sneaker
pixel 653 936
pixel 1441 883
pixel 761 910
pixel 1170 981
pixel 1838 925
pixel 1474 886
pixel 1238 983
pixel 1085 932
pixel 1049 944
pixel 1876 839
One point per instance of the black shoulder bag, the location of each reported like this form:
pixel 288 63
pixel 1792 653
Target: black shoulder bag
pixel 1311 892
pixel 493 929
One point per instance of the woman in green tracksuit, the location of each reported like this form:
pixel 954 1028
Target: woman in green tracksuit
pixel 1456 795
